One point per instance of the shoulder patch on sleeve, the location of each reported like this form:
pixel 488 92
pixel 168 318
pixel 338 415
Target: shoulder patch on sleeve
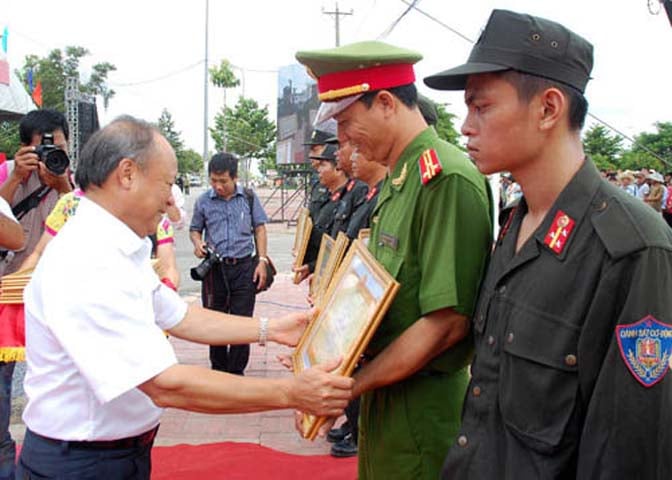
pixel 429 164
pixel 646 348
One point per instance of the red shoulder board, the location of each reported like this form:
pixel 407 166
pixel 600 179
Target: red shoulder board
pixel 429 165
pixel 557 236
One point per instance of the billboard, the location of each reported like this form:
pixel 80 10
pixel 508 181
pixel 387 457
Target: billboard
pixel 297 107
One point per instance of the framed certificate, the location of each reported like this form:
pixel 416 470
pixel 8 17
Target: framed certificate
pixel 354 304
pixel 326 275
pixel 304 225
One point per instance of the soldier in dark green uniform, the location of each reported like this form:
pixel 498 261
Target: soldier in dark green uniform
pixel 319 194
pixel 431 230
pixel 573 323
pixel 336 183
pixel 356 190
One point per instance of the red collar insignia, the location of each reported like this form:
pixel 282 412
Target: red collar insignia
pixel 429 164
pixel 351 185
pixel 558 235
pixel 371 193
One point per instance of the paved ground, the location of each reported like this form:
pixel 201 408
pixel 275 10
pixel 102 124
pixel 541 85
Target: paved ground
pixel 274 429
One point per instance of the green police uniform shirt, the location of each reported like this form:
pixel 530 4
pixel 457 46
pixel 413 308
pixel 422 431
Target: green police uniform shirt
pixel 573 336
pixel 433 236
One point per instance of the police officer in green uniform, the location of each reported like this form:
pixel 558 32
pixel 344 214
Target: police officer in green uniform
pixel 573 322
pixel 431 231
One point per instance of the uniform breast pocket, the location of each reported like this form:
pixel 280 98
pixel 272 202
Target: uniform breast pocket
pixel 539 380
pixel 245 222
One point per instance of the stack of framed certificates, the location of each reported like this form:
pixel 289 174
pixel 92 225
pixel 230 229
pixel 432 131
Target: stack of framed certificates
pixel 304 225
pixel 353 305
pixel 328 260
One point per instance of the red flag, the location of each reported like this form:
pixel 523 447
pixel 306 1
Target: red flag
pixel 37 94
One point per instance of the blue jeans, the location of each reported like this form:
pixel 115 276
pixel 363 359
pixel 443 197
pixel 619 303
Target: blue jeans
pixel 7 446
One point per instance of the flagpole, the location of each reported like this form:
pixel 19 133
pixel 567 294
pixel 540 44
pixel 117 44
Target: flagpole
pixel 205 95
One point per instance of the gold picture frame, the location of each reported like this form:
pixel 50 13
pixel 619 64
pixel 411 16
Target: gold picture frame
pixel 354 305
pixel 304 225
pixel 326 247
pixel 364 235
pixel 329 268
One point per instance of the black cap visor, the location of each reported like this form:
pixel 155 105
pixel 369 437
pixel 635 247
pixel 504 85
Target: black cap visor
pixel 456 78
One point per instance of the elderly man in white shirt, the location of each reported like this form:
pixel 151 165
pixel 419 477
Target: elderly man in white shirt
pixel 100 369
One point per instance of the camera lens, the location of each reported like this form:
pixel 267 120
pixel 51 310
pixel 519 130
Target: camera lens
pixel 56 161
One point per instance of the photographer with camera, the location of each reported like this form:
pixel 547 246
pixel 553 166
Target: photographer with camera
pixel 234 221
pixel 40 174
pixel 32 190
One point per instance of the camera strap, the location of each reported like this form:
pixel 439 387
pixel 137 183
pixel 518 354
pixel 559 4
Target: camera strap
pixel 31 201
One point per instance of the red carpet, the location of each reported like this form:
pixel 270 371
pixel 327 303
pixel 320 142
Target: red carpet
pixel 229 460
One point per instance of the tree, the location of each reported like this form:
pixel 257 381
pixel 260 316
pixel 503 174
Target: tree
pixel 445 126
pixel 223 77
pixel 187 160
pixel 659 143
pixel 190 161
pixel 166 126
pixel 9 138
pixel 603 148
pixel 248 133
pixel 53 70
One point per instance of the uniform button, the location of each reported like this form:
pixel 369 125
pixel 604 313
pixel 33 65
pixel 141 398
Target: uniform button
pixel 502 289
pixel 380 244
pixel 509 338
pixel 491 340
pixel 462 440
pixel 481 317
pixel 570 360
pixel 476 391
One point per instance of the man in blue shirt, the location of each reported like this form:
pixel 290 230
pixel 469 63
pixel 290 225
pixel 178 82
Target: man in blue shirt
pixel 232 223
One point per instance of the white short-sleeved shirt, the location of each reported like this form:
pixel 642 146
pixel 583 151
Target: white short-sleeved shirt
pixel 6 210
pixel 95 311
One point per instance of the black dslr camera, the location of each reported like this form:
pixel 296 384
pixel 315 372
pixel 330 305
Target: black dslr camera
pixel 212 258
pixel 53 157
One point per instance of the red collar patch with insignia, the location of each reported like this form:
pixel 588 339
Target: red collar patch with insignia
pixel 351 185
pixel 371 193
pixel 558 235
pixel 429 164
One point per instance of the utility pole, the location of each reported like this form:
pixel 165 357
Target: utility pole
pixel 205 95
pixel 337 18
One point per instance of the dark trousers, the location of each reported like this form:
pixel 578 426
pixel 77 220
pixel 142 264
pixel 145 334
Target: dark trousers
pixel 668 218
pixel 230 289
pixel 41 458
pixel 352 416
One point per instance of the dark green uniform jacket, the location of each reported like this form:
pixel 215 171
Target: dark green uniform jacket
pixel 434 238
pixel 361 216
pixel 322 223
pixel 355 193
pixel 573 338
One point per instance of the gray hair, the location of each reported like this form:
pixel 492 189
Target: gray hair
pixel 124 137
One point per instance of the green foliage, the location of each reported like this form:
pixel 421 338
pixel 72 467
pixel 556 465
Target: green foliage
pixel 602 147
pixel 445 126
pixel 9 138
pixel 188 161
pixel 223 76
pixel 247 132
pixel 603 162
pixel 660 143
pixel 53 70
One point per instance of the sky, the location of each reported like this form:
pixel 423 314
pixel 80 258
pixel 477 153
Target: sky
pixel 158 48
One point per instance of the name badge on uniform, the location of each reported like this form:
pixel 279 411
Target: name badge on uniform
pixel 389 240
pixel 646 348
pixel 558 235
